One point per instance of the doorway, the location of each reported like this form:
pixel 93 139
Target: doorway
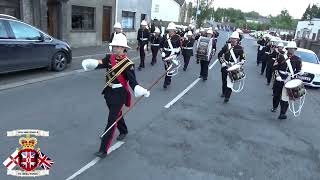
pixel 106 23
pixel 53 18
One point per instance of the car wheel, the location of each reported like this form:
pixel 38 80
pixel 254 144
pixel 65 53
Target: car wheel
pixel 59 61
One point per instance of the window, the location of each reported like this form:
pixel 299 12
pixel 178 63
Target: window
pixel 307 57
pixel 82 18
pixel 128 20
pixel 156 8
pixel 3 31
pixel 318 36
pixel 24 32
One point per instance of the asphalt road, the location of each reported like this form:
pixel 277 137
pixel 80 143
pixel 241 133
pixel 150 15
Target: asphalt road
pixel 198 137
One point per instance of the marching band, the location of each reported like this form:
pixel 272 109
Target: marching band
pixel 279 62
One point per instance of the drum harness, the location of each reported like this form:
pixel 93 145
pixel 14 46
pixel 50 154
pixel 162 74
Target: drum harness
pixel 229 64
pixel 292 107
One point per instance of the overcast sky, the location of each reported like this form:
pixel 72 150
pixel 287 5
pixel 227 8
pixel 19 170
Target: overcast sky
pixel 265 7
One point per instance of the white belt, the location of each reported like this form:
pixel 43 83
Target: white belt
pixel 114 86
pixel 187 48
pixel 155 44
pixel 174 49
pixel 283 72
pixel 143 39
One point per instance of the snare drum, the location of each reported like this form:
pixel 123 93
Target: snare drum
pixel 295 89
pixel 236 72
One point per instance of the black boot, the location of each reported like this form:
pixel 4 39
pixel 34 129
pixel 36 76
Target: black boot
pixel 274 110
pixel 101 154
pixel 282 116
pixel 226 100
pixel 121 137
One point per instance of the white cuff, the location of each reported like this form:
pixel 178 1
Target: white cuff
pixel 140 91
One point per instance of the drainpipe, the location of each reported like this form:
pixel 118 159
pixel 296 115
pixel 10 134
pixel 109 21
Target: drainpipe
pixel 116 16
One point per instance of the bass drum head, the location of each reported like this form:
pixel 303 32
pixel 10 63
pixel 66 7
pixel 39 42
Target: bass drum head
pixel 234 67
pixel 293 83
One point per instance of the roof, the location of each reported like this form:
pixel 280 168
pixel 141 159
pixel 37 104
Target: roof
pixel 7 16
pixel 180 2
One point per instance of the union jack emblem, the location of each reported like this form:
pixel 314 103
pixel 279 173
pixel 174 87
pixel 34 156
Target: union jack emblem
pixel 44 161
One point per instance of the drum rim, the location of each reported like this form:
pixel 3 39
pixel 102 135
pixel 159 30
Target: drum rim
pixel 290 84
pixel 233 67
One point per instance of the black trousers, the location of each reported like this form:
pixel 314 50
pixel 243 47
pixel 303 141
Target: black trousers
pixel 167 79
pixel 186 60
pixel 259 55
pixel 277 93
pixel 115 99
pixel 204 68
pixel 264 64
pixel 154 50
pixel 269 72
pixel 225 90
pixel 142 53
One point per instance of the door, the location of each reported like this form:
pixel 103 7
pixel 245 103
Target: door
pixel 30 49
pixel 6 50
pixel 53 17
pixel 106 23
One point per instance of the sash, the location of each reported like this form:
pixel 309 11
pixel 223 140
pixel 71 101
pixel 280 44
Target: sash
pixel 122 80
pixel 232 54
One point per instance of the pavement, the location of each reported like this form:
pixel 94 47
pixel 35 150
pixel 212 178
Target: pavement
pixel 183 132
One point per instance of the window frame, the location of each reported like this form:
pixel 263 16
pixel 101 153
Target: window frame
pixel 133 15
pixel 27 25
pixel 94 19
pixel 5 24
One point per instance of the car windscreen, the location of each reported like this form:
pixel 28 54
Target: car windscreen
pixel 307 57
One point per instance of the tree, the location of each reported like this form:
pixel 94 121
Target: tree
pixel 190 10
pixel 205 11
pixel 306 14
pixel 311 12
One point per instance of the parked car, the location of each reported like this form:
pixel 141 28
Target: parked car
pixel 310 67
pixel 23 47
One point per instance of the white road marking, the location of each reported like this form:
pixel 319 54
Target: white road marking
pixel 76 57
pixel 95 160
pixel 187 89
pixel 214 63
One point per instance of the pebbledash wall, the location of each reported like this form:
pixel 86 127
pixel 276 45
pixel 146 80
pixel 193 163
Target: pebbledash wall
pixel 86 37
pixel 130 13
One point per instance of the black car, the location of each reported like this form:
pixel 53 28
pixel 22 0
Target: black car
pixel 23 47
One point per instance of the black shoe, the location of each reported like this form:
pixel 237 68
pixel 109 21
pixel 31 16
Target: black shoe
pixel 152 63
pixel 268 84
pixel 184 69
pixel 261 73
pixel 165 86
pixel 139 68
pixel 121 137
pixel 101 154
pixel 200 77
pixel 222 95
pixel 274 110
pixel 282 116
pixel 204 79
pixel 226 100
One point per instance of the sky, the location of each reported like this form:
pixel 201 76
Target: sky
pixel 296 8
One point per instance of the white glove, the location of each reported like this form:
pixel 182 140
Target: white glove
pixel 90 64
pixel 278 78
pixel 140 91
pixel 145 47
pixel 110 48
pixel 224 64
pixel 163 54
